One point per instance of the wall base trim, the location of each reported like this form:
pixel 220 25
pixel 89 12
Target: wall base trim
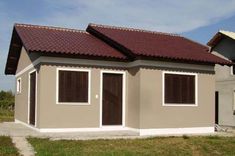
pixel 62 130
pixel 93 129
pixel 177 131
pixel 142 132
pixel 26 124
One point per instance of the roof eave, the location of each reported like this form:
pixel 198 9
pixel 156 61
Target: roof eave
pixel 214 40
pixel 13 53
pixel 191 61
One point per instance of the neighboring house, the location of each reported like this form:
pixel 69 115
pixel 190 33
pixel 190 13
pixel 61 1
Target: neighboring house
pixel 111 78
pixel 223 45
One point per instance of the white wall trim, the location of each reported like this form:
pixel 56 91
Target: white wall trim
pixel 142 132
pixel 89 86
pixel 27 125
pixel 32 65
pixel 180 73
pixel 160 64
pixel 62 130
pixel 36 99
pixel 123 95
pixel 177 131
pixel 95 129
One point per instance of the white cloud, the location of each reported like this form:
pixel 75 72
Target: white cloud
pixel 169 15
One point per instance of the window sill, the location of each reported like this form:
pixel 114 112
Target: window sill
pixel 177 105
pixel 73 103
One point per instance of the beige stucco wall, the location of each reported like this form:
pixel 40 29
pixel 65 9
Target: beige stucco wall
pixel 133 98
pixel 222 72
pixel 21 99
pixel 226 91
pixel 52 115
pixel 143 102
pixel 225 85
pixel 225 82
pixel 25 59
pixel 154 115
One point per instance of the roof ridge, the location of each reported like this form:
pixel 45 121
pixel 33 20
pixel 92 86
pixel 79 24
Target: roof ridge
pixel 133 29
pixel 195 42
pixel 50 27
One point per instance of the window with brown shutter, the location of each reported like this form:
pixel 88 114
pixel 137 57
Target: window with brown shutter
pixel 73 86
pixel 179 89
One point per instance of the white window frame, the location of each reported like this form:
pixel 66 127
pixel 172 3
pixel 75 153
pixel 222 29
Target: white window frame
pixel 18 85
pixel 57 86
pixel 231 70
pixel 177 104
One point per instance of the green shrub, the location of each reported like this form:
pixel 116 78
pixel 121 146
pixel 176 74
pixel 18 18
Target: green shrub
pixel 185 137
pixel 7 100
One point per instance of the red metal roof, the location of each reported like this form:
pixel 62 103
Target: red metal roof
pixel 66 41
pixel 156 44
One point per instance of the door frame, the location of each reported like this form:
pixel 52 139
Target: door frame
pixel 123 98
pixel 36 80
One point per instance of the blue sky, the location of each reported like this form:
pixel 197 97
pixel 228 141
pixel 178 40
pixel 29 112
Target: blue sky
pixel 197 19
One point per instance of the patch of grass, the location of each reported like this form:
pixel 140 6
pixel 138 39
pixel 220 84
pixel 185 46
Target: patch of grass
pixel 168 146
pixel 6 115
pixel 215 145
pixel 7 148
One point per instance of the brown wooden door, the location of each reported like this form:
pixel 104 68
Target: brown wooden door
pixel 32 98
pixel 216 107
pixel 112 99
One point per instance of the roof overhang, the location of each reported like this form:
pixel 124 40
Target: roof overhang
pixel 220 35
pixel 17 42
pixel 13 54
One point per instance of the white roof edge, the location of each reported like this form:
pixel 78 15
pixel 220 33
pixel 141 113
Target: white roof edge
pixel 228 33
